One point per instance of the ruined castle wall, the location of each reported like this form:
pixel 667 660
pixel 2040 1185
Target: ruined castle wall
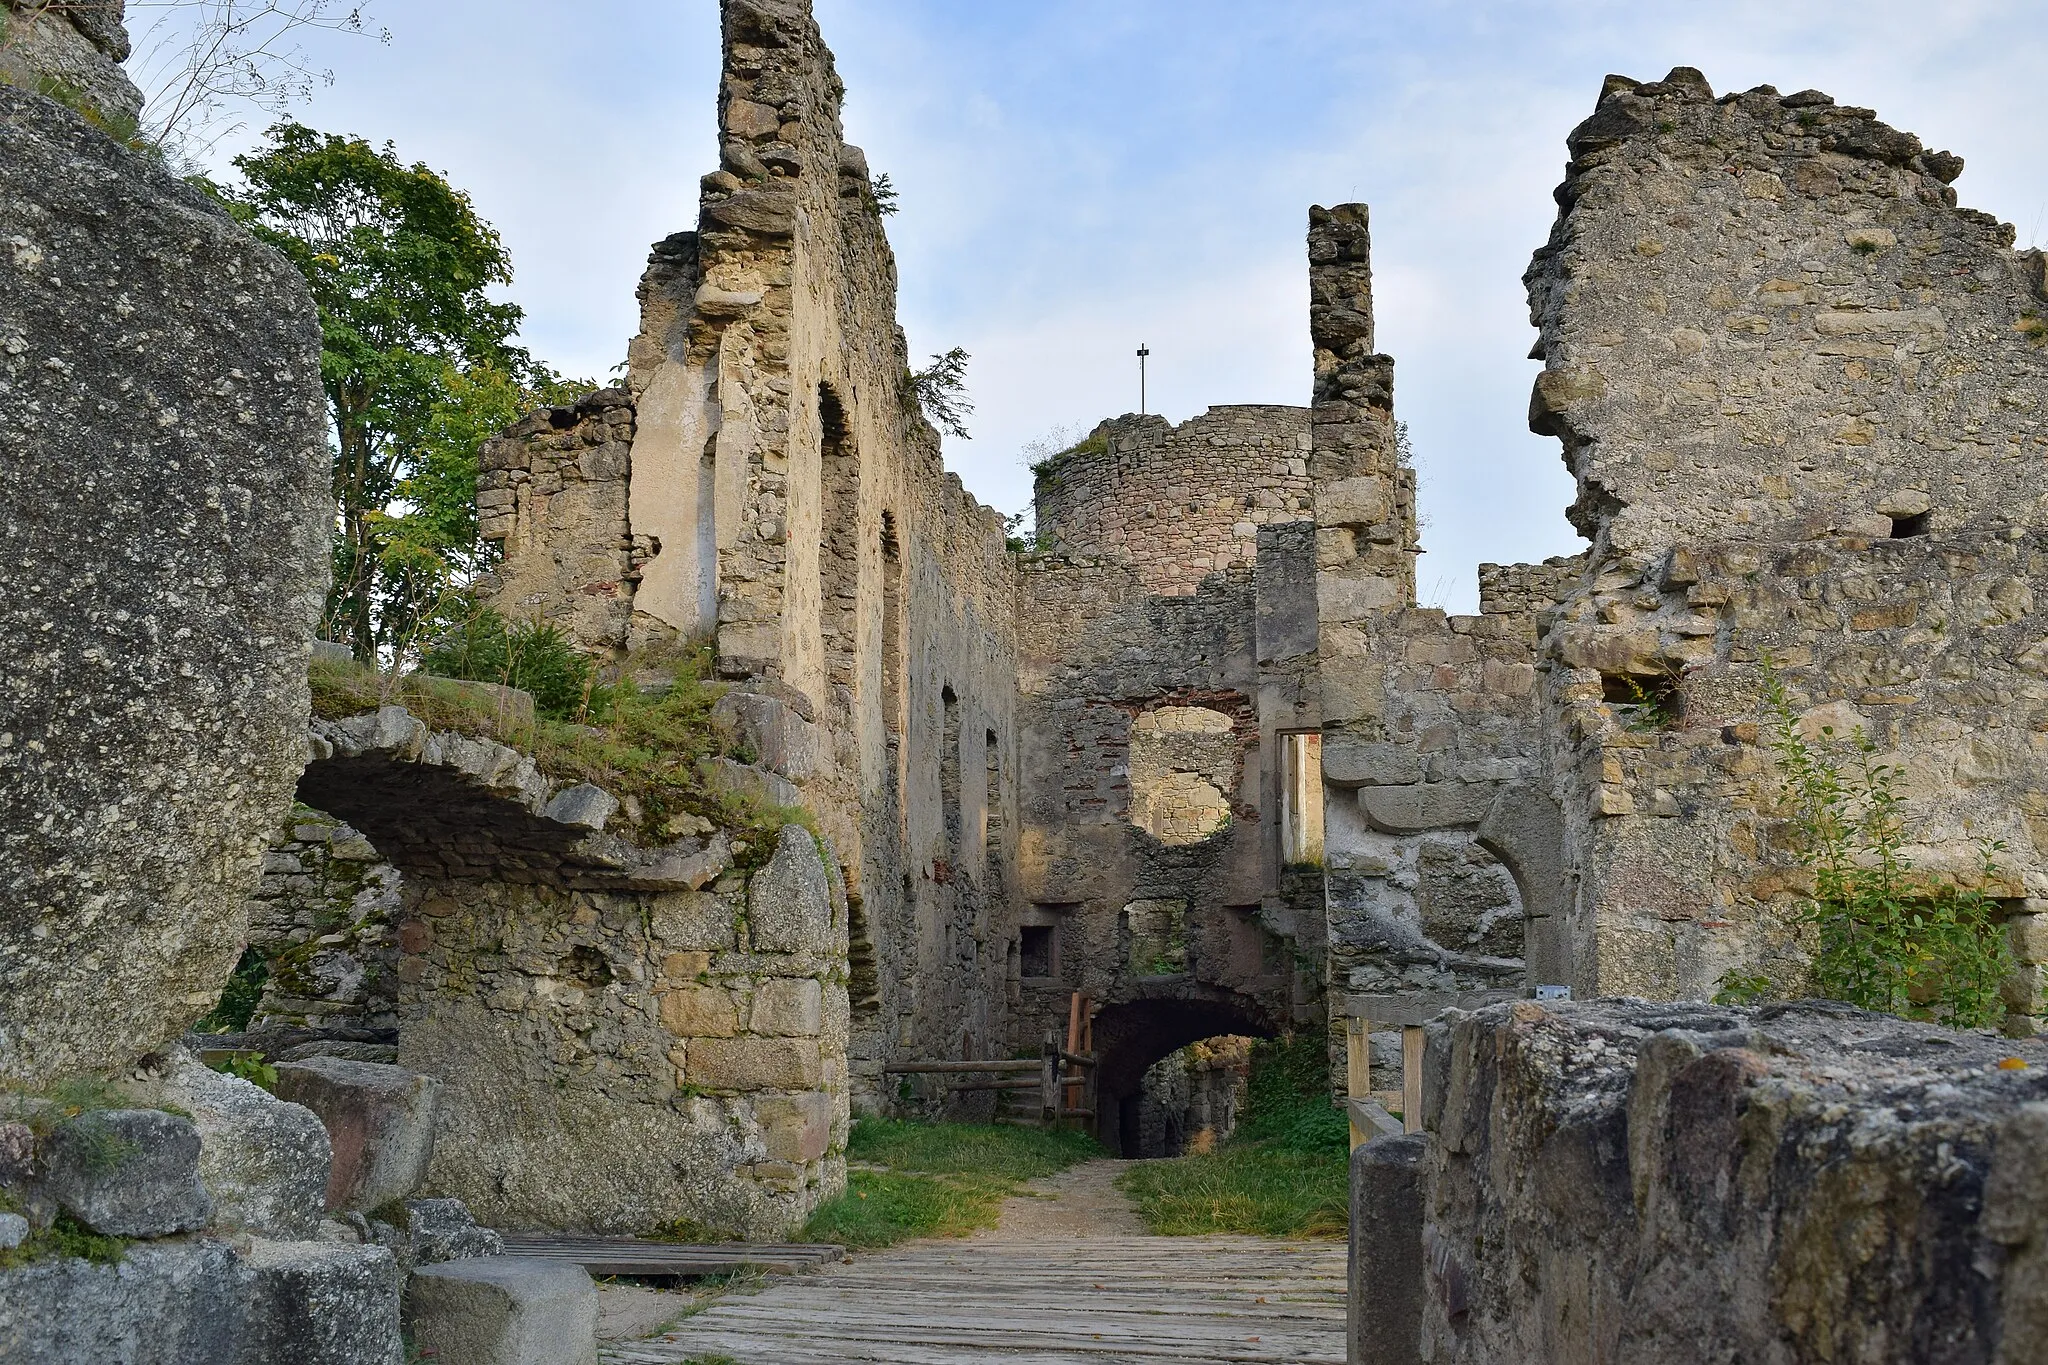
pixel 551 492
pixel 1628 1181
pixel 629 1035
pixel 1177 503
pixel 785 498
pixel 1801 392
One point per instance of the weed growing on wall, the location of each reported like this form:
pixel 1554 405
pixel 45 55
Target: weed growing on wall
pixel 533 656
pixel 1887 939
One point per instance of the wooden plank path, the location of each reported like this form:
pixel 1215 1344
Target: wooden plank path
pixel 632 1256
pixel 1092 1301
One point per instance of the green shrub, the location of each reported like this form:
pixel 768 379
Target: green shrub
pixel 1886 939
pixel 239 998
pixel 533 656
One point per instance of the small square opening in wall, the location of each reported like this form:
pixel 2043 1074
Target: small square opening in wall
pixel 1034 951
pixel 1914 525
pixel 1646 701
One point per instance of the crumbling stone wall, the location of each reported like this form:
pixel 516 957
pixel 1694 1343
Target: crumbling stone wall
pixel 767 481
pixel 551 494
pixel 628 1036
pixel 1801 393
pixel 325 920
pixel 1177 503
pixel 163 523
pixel 1156 690
pixel 1630 1181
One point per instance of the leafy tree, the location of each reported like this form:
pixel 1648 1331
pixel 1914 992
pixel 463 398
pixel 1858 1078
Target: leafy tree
pixel 418 363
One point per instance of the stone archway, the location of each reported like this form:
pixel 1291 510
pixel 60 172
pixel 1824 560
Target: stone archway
pixel 1132 1035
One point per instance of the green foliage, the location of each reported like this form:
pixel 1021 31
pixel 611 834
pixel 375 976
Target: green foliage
pixel 534 656
pixel 417 361
pixel 1088 445
pixel 249 1066
pixel 1287 1101
pixel 1738 987
pixel 882 194
pixel 65 1238
pixel 1283 1173
pixel 1644 706
pixel 1252 1189
pixel 1887 940
pixel 940 390
pixel 239 998
pixel 2033 327
pixel 944 1179
pixel 647 746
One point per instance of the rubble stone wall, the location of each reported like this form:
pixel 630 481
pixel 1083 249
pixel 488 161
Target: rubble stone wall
pixel 1801 392
pixel 1629 1181
pixel 1177 503
pixel 325 919
pixel 629 1035
pixel 767 481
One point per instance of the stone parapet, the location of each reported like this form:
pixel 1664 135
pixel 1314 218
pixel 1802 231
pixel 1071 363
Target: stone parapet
pixel 1618 1180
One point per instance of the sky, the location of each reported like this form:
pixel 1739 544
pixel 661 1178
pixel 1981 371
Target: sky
pixel 1077 178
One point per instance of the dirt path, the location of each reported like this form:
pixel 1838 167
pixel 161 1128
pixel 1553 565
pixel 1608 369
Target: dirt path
pixel 1081 1201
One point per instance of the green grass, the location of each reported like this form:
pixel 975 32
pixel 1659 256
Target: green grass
pixel 648 748
pixel 1285 1172
pixel 64 1238
pixel 943 1179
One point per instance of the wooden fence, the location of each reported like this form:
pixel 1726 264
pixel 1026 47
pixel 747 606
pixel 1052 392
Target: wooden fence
pixel 1061 1078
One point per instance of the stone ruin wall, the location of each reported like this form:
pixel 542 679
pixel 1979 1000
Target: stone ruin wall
pixel 630 1034
pixel 1621 1180
pixel 1156 686
pixel 1441 875
pixel 767 482
pixel 1801 392
pixel 1177 503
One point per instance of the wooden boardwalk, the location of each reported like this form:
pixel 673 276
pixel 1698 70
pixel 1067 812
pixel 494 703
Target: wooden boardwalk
pixel 997 1301
pixel 632 1256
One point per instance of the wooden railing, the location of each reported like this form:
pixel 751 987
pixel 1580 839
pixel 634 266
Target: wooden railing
pixel 1063 1078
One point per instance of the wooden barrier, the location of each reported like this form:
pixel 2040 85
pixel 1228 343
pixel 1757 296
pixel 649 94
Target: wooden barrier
pixel 1062 1076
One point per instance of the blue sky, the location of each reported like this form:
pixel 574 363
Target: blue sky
pixel 1079 177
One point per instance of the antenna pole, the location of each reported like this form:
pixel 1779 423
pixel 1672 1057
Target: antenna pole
pixel 1143 351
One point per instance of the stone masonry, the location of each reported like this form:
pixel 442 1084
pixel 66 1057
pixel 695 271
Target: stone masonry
pixel 1802 394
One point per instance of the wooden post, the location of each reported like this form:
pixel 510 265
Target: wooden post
pixel 1357 1069
pixel 1071 1098
pixel 1091 1092
pixel 1411 1078
pixel 1049 1081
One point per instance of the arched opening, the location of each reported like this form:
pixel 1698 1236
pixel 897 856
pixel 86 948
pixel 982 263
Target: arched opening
pixel 1133 1037
pixel 892 628
pixel 949 777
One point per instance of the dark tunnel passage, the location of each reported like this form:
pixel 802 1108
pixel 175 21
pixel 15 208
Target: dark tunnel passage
pixel 1131 1037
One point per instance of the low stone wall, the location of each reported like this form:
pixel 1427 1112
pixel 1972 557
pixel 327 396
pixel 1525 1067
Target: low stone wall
pixel 628 1037
pixel 1620 1180
pixel 324 919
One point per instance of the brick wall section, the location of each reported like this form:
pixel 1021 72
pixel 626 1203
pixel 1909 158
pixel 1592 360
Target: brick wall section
pixel 1177 503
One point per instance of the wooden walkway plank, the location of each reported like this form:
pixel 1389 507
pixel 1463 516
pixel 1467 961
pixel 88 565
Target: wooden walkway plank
pixel 634 1256
pixel 1095 1301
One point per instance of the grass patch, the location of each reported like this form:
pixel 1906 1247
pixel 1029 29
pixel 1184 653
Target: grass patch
pixel 1285 1172
pixel 943 1179
pixel 65 1238
pixel 649 748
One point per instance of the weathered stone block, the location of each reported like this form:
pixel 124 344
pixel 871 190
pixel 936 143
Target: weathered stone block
pixel 797 1128
pixel 781 740
pixel 700 1012
pixel 126 1172
pixel 320 1303
pixel 788 1008
pixel 169 1304
pixel 755 1063
pixel 1386 1281
pixel 264 1161
pixel 1351 762
pixel 1425 805
pixel 156 723
pixel 438 1230
pixel 379 1118
pixel 789 902
pixel 503 1310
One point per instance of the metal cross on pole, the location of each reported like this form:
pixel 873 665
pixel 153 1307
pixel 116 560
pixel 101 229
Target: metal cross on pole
pixel 1143 351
